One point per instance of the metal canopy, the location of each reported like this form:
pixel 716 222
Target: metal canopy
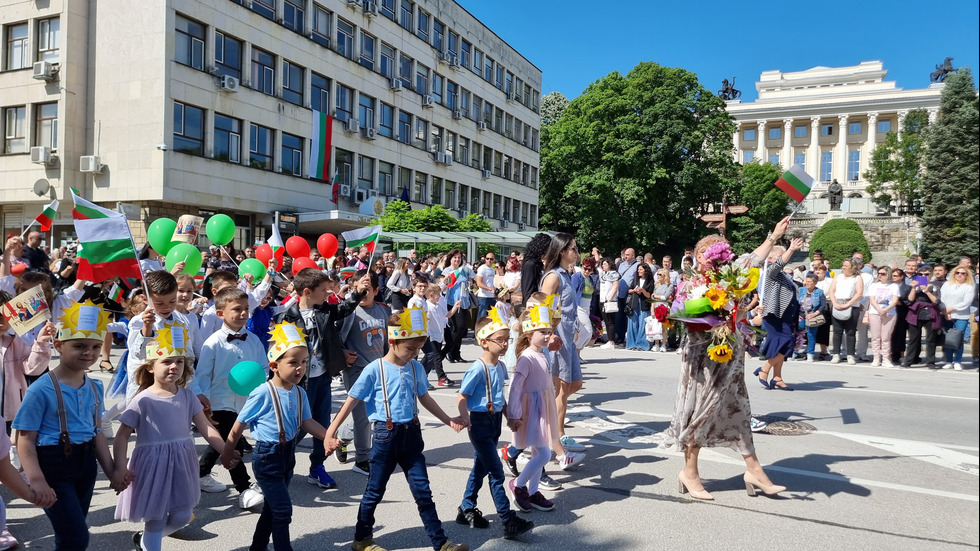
pixel 471 239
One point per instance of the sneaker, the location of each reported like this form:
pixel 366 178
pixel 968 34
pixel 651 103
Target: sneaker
pixel 137 540
pixel 571 445
pixel 948 366
pixel 251 497
pixel 608 346
pixel 320 477
pixel 511 464
pixel 7 540
pixel 547 483
pixel 887 363
pixel 523 458
pixel 516 526
pixel 367 544
pixel 851 360
pixel 757 425
pixel 450 546
pixel 341 452
pixel 835 359
pixel 431 387
pixel 522 501
pixel 541 503
pixel 957 366
pixel 212 486
pixel 446 381
pixel 810 358
pixel 472 517
pixel 362 467
pixel 569 459
pixel 876 363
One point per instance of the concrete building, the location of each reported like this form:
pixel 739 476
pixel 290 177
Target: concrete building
pixel 174 107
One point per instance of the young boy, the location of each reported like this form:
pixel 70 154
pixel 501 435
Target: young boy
pixel 275 412
pixel 221 352
pixel 185 305
pixel 392 407
pixel 210 323
pixel 59 434
pixel 327 359
pixel 431 356
pixel 481 405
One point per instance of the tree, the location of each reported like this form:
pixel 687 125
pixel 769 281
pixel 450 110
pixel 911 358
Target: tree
pixel 635 159
pixel 767 205
pixel 950 218
pixel 838 239
pixel 400 217
pixel 895 168
pixel 553 105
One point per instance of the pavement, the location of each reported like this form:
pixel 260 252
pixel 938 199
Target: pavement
pixel 874 458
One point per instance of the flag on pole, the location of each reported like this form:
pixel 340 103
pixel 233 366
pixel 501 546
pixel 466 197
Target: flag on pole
pixel 275 240
pixel 335 188
pixel 320 145
pixel 452 277
pixel 200 276
pixel 796 183
pixel 47 215
pixel 86 210
pixel 363 237
pixel 116 292
pixel 106 248
pixel 404 196
pixel 346 273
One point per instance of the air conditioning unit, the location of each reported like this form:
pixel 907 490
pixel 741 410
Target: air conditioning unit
pixel 395 84
pixel 443 158
pixel 344 190
pixel 444 57
pixel 372 193
pixel 510 95
pixel 90 164
pixel 45 70
pixel 351 125
pixel 503 223
pixel 485 174
pixel 368 133
pixel 463 213
pixel 458 114
pixel 360 195
pixel 481 126
pixel 370 7
pixel 521 226
pixel 41 155
pixel 353 3
pixel 229 83
pixel 428 101
pixel 454 63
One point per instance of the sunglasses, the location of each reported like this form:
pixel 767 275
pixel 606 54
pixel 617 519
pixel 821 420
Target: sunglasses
pixel 960 273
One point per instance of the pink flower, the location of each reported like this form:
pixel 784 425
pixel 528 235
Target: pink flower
pixel 719 254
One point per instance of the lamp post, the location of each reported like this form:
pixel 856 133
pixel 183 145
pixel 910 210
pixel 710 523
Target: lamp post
pixel 909 210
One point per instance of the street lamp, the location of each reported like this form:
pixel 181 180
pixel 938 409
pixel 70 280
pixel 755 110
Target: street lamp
pixel 909 210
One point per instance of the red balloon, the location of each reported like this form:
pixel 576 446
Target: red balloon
pixel 264 254
pixel 302 263
pixel 297 247
pixel 327 245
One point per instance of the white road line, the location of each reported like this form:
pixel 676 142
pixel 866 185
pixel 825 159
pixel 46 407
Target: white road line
pixel 918 394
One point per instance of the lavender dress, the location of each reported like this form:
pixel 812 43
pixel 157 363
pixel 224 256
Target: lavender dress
pixel 532 400
pixel 164 461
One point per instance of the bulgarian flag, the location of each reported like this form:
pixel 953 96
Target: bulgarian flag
pixel 47 215
pixel 106 245
pixel 116 292
pixel 335 188
pixel 275 241
pixel 452 278
pixel 86 210
pixel 796 183
pixel 364 237
pixel 346 273
pixel 200 276
pixel 320 145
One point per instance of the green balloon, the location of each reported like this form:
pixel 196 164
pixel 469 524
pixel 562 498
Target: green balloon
pixel 252 266
pixel 245 377
pixel 220 229
pixel 186 253
pixel 159 235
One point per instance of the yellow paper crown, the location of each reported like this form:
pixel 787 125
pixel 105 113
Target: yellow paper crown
pixel 497 323
pixel 553 302
pixel 412 323
pixel 169 342
pixel 283 337
pixel 83 320
pixel 538 317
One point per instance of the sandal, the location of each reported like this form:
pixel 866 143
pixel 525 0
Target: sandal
pixel 103 364
pixel 764 379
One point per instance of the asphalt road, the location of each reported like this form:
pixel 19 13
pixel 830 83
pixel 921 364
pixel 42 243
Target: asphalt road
pixel 874 458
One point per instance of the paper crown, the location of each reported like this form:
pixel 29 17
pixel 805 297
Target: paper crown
pixel 538 317
pixel 412 323
pixel 496 324
pixel 83 320
pixel 553 302
pixel 169 342
pixel 283 337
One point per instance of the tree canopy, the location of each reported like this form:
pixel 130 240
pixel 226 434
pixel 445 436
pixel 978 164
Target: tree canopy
pixel 895 169
pixel 399 216
pixel 553 105
pixel 838 239
pixel 767 205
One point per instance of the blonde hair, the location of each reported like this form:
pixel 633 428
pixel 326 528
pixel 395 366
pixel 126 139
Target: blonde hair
pixel 524 337
pixel 144 375
pixel 706 242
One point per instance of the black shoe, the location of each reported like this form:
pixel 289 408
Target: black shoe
pixel 362 467
pixel 341 452
pixel 138 540
pixel 511 462
pixel 473 517
pixel 446 381
pixel 516 526
pixel 548 483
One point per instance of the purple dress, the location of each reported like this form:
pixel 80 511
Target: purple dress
pixel 164 461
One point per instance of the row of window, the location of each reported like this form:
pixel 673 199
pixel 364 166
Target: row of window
pixel 44 131
pixel 827 129
pixel 17 48
pixel 826 163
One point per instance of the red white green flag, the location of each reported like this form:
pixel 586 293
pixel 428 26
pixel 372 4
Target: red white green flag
pixel 47 215
pixel 320 144
pixel 87 210
pixel 796 183
pixel 116 292
pixel 346 273
pixel 275 240
pixel 452 277
pixel 335 188
pixel 363 237
pixel 200 276
pixel 105 243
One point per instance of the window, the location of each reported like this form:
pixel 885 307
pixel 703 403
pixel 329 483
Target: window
pixel 263 71
pixel 421 132
pixel 800 159
pixel 436 191
pixel 774 159
pixel 345 103
pixel 265 8
pixel 486 204
pixel 507 167
pixel 405 127
pixel 367 50
pixel 498 116
pixel 319 93
pixel 477 113
pixel 827 129
pixel 464 102
pixel 388 9
pixel 17 48
pixel 515 211
pixel 884 126
pixel 227 138
pixel 188 128
pixel 49 40
pixel 826 165
pixel 365 111
pixel 509 83
pixel 475 159
pixel 452 45
pixel 775 133
pixel 438 34
pixel 498 163
pixel 487 112
pixel 423 29
pixel 365 172
pixel 447 196
pixel 534 215
pixel 509 125
pixel 292 154
pixel 464 54
pixel 474 200
pixel 345 39
pixel 405 16
pixel 437 82
pixel 436 139
pixel 464 192
pixel 499 82
pixel 418 192
pixel 292 83
pixel 477 61
pixel 463 152
pixel 189 43
pixel 534 139
pixel 386 178
pixel 853 165
pixel 260 147
pixel 344 165
pixel 451 144
pixel 405 71
pixel 799 131
pixel 748 156
pixel 488 69
pixel 293 14
pixel 321 25
pixel 387 60
pixel 404 181
pixel 854 128
pixel 748 134
pixel 506 211
pixel 452 92
pixel 227 55
pixel 15 130
pixel 421 79
pixel 487 159
pixel 387 120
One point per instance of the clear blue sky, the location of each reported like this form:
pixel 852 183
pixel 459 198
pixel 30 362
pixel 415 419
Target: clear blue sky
pixel 576 42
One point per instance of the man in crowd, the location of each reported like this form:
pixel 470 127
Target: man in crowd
pixel 627 277
pixel 37 259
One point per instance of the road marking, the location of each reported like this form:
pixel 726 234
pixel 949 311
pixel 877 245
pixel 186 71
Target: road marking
pixel 878 391
pixel 936 454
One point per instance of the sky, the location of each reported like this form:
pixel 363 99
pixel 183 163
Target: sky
pixel 575 42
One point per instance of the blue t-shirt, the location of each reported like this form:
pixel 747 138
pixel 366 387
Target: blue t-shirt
pixel 401 398
pixel 39 411
pixel 259 413
pixel 474 386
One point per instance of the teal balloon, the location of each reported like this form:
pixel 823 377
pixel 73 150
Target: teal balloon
pixel 159 234
pixel 245 377
pixel 220 229
pixel 186 253
pixel 252 266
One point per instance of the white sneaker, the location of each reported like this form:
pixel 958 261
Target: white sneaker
pixel 835 359
pixel 251 497
pixel 948 366
pixel 566 461
pixel 571 445
pixel 851 360
pixel 876 363
pixel 958 366
pixel 608 346
pixel 663 348
pixel 212 486
pixel 523 459
pixel 887 363
pixel 809 357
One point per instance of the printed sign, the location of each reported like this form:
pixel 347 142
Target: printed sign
pixel 27 310
pixel 188 226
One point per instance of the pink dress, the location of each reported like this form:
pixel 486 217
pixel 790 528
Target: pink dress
pixel 164 461
pixel 532 400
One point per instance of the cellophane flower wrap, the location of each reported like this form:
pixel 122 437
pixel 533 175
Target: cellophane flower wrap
pixel 708 301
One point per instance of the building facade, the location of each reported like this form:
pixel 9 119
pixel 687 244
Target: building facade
pixel 173 107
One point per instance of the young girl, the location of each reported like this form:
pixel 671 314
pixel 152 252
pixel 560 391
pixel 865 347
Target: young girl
pixel 189 306
pixel 164 465
pixel 133 307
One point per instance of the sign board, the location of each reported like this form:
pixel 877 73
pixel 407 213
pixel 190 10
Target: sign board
pixel 738 209
pixel 713 217
pixel 289 222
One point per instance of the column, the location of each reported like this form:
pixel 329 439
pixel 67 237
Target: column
pixel 840 152
pixel 813 155
pixel 738 142
pixel 786 158
pixel 872 142
pixel 760 148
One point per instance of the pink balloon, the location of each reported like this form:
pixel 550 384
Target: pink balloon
pixel 327 245
pixel 302 263
pixel 297 247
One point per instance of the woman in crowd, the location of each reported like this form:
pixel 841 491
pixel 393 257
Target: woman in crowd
pixel 637 308
pixel 845 295
pixel 780 315
pixel 881 316
pixel 457 284
pixel 400 285
pixel 813 303
pixel 512 280
pixel 609 294
pixel 663 294
pixel 923 313
pixel 823 332
pixel 957 296
pixel 383 294
pixel 584 283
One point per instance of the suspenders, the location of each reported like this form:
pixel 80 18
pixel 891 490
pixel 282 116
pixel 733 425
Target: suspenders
pixel 280 422
pixel 384 391
pixel 486 376
pixel 64 439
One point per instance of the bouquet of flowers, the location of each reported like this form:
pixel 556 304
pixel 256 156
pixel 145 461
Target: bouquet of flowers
pixel 709 300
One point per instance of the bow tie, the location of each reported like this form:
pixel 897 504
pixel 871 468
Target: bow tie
pixel 233 337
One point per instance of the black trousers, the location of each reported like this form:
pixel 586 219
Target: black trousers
pixel 915 343
pixel 899 334
pixel 224 421
pixel 455 332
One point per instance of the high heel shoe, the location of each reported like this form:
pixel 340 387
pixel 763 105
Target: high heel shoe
pixel 682 487
pixel 752 484
pixel 763 381
pixel 774 384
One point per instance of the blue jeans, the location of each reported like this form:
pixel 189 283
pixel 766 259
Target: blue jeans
pixel 964 326
pixel 399 447
pixel 273 465
pixel 811 339
pixel 484 433
pixel 484 305
pixel 72 478
pixel 318 392
pixel 636 333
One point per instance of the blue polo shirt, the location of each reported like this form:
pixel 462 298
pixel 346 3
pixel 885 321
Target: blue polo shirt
pixel 39 411
pixel 401 396
pixel 474 386
pixel 259 413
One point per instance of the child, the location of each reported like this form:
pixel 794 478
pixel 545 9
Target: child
pixel 186 305
pixel 58 428
pixel 164 464
pixel 210 322
pixel 223 350
pixel 481 405
pixel 392 407
pixel 431 355
pixel 260 321
pixel 275 412
pixel 13 480
pixel 438 320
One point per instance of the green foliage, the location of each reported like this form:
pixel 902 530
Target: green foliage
pixel 837 239
pixel 635 159
pixel 400 217
pixel 767 205
pixel 553 105
pixel 950 220
pixel 835 253
pixel 895 168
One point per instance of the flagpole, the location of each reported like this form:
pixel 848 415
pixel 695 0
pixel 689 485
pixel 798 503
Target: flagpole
pixel 23 233
pixel 222 247
pixel 795 209
pixel 138 265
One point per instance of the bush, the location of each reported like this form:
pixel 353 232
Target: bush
pixel 838 239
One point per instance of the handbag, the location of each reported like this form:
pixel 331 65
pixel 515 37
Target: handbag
pixel 610 307
pixel 843 315
pixel 816 321
pixel 654 329
pixel 954 339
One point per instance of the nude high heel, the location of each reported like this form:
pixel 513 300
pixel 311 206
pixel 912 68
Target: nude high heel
pixel 684 488
pixel 752 483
